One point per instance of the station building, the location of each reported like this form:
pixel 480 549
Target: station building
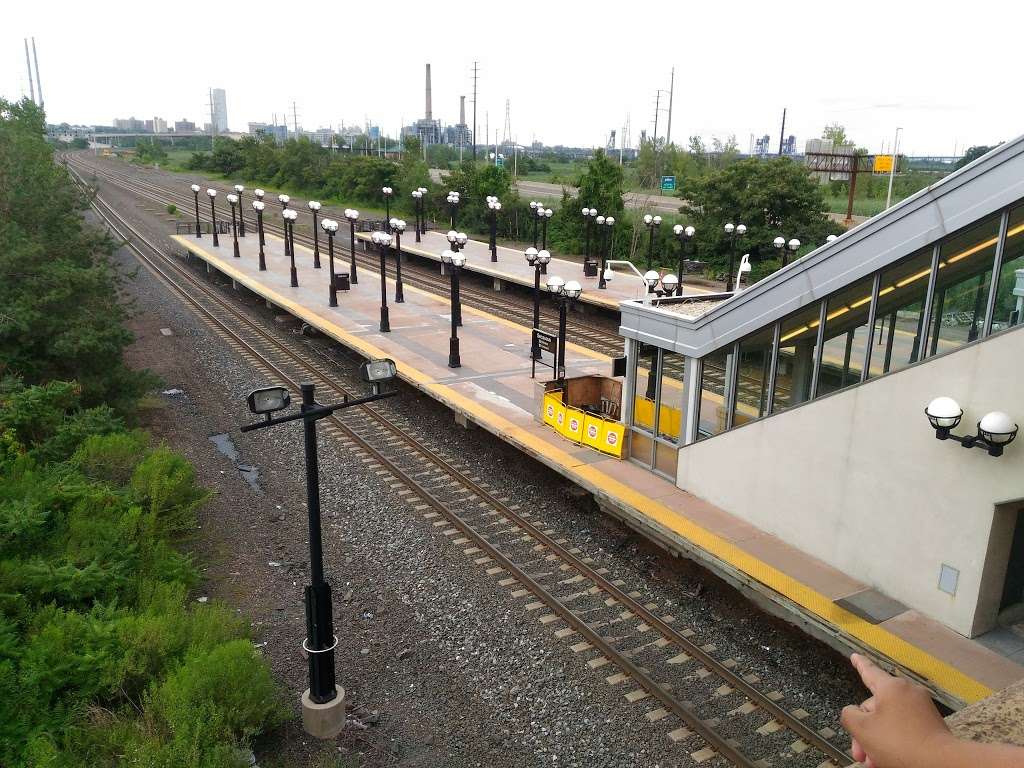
pixel 798 404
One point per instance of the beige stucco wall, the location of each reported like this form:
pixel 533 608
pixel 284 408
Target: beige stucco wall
pixel 858 480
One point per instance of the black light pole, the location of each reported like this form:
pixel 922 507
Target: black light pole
pixel 786 248
pixel 314 207
pixel 417 202
pixel 213 214
pixel 383 240
pixel 685 236
pixel 453 261
pixel 331 227
pixel 353 216
pixel 733 232
pixel 195 191
pixel 606 245
pixel 398 227
pixel 233 200
pixel 544 237
pixel 536 260
pixel 494 205
pixel 387 192
pixel 283 199
pixel 456 242
pixel 289 240
pixel 536 220
pixel 565 294
pixel 320 640
pixel 258 194
pixel 239 189
pixel 453 206
pixel 652 223
pixel 258 206
pixel 589 214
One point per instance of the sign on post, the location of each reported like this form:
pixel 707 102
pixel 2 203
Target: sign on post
pixel 668 183
pixel 882 164
pixel 545 342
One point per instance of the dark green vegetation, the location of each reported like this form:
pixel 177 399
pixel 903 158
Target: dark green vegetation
pixel 104 658
pixel 150 151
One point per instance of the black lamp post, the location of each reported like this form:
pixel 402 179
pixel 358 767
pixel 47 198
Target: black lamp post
pixel 994 432
pixel 398 227
pixel 387 192
pixel 786 249
pixel 314 207
pixel 290 216
pixel 353 216
pixel 685 237
pixel 213 215
pixel 536 259
pixel 258 194
pixel 493 206
pixel 547 214
pixel 589 215
pixel 732 232
pixel 534 205
pixel 233 201
pixel 283 199
pixel 453 206
pixel 258 206
pixel 320 640
pixel 606 235
pixel 331 227
pixel 456 242
pixel 565 294
pixel 652 223
pixel 195 191
pixel 239 189
pixel 383 241
pixel 417 202
pixel 453 261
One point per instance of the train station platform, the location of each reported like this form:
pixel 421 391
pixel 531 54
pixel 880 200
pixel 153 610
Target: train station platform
pixel 494 390
pixel 511 267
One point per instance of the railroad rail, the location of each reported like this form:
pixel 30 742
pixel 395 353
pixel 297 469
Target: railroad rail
pixel 603 616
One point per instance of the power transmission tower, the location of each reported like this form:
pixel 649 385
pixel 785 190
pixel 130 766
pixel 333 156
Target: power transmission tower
pixel 295 118
pixel 507 132
pixel 782 131
pixel 671 93
pixel 476 72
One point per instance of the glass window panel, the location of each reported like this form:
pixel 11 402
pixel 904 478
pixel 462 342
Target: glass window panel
pixel 752 385
pixel 1009 305
pixel 797 340
pixel 670 408
pixel 901 295
pixel 846 336
pixel 711 416
pixel 641 447
pixel 961 286
pixel 645 387
pixel 666 459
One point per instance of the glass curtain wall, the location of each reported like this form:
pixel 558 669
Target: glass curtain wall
pixel 713 412
pixel 902 291
pixel 795 367
pixel 670 404
pixel 753 378
pixel 1009 304
pixel 846 337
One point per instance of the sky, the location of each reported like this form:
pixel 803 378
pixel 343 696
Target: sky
pixel 571 73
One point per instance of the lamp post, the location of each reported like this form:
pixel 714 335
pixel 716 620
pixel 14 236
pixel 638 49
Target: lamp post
pixel 456 242
pixel 494 205
pixel 995 431
pixel 732 232
pixel 330 226
pixel 195 191
pixel 685 237
pixel 606 248
pixel 387 192
pixel 652 223
pixel 589 214
pixel 661 285
pixel 258 194
pixel 534 205
pixel 239 189
pixel 536 259
pixel 453 261
pixel 213 214
pixel 290 215
pixel 453 206
pixel 323 703
pixel 417 202
pixel 258 206
pixel 383 241
pixel 314 208
pixel 398 227
pixel 283 200
pixel 353 216
pixel 565 294
pixel 233 201
pixel 547 214
pixel 786 249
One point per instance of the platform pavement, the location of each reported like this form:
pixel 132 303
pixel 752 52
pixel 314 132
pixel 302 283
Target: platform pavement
pixel 494 391
pixel 511 267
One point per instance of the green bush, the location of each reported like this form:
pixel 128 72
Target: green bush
pixel 111 458
pixel 172 208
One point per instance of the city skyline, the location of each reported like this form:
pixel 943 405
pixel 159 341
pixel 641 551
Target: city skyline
pixel 941 107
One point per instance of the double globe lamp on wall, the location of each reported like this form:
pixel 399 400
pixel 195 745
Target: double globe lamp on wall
pixel 996 430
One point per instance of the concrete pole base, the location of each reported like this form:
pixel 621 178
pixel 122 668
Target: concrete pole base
pixel 323 721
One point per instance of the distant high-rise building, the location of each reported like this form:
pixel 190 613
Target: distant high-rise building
pixel 220 110
pixel 129 125
pixel 159 125
pixel 184 126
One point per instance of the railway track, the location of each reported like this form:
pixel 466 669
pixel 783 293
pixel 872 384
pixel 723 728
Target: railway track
pixel 701 702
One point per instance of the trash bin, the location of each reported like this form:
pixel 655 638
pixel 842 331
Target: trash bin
pixel 341 281
pixel 590 269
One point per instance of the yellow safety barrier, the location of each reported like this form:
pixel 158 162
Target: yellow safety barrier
pixel 554 411
pixel 612 434
pixel 670 421
pixel 572 427
pixel 593 430
pixel 643 412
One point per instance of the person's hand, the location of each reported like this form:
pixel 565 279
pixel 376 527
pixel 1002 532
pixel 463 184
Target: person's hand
pixel 899 726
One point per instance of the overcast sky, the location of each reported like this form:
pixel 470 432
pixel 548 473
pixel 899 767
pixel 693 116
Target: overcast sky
pixel 946 72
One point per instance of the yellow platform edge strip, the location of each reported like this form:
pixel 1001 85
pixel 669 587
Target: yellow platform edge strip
pixel 896 648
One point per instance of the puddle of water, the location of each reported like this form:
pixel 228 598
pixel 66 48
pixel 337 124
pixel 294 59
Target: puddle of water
pixel 227 447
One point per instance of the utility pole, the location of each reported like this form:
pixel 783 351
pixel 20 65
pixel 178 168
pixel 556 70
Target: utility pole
pixel 475 75
pixel 28 63
pixel 39 82
pixel 782 131
pixel 671 93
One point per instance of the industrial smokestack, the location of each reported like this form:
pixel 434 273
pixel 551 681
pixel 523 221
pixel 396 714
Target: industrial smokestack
pixel 39 83
pixel 429 110
pixel 28 63
pixel 462 110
